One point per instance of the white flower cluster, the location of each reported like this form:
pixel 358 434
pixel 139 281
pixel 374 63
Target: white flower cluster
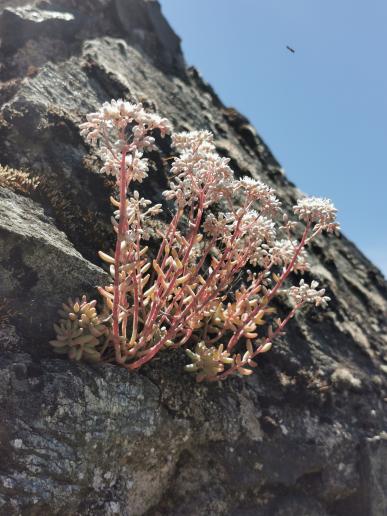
pixel 256 228
pixel 198 168
pixel 282 252
pixel 115 119
pixel 308 294
pixel 317 210
pixel 194 139
pixel 255 190
pixel 279 253
pixel 255 232
pixel 258 235
pixel 135 162
pixel 139 212
pixel 119 114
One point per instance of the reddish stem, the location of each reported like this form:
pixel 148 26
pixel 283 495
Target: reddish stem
pixel 117 257
pixel 234 339
pixel 278 330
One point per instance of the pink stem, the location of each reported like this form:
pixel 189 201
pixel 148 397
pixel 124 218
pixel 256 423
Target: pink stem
pixel 234 339
pixel 280 328
pixel 157 305
pixel 117 257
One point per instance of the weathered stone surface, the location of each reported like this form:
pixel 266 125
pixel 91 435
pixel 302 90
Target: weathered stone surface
pixel 149 30
pixel 39 268
pixel 19 24
pixel 74 437
pixel 305 435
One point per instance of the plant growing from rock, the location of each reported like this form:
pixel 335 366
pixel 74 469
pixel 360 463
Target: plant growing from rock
pixel 226 254
pixel 19 181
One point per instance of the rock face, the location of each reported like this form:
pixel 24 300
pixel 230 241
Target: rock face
pixel 306 435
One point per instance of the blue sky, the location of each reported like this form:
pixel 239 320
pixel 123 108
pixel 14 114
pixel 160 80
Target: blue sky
pixel 322 110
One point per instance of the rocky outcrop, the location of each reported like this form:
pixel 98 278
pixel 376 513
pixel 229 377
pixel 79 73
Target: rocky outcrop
pixel 306 435
pixel 39 267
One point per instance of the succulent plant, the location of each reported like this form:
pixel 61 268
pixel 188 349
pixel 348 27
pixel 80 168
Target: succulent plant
pixel 81 333
pixel 197 288
pixel 207 361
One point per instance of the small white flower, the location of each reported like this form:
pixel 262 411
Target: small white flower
pixel 193 141
pixel 114 117
pixel 309 294
pixel 256 190
pixel 282 253
pixel 319 211
pixel 199 168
